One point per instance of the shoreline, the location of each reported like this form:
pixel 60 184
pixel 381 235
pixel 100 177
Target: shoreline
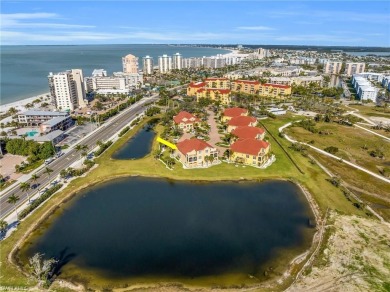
pixel 20 104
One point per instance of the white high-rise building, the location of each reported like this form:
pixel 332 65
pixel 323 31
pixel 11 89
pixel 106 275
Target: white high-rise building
pixel 164 63
pixel 130 64
pixel 147 65
pixel 177 61
pixel 67 89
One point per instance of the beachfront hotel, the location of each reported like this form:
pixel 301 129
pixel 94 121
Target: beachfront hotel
pixel 164 64
pixel 177 61
pixel 67 89
pixel 147 63
pixel 130 64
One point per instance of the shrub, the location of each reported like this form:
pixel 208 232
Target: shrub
pixel 102 148
pixel 39 201
pixel 124 131
pixel 331 149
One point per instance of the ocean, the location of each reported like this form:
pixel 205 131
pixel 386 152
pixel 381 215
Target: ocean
pixel 24 69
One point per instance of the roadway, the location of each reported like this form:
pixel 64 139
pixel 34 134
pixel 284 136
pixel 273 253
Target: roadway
pixel 103 133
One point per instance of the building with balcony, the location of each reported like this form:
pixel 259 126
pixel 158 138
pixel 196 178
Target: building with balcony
pixel 147 63
pixel 196 153
pixel 332 67
pixel 36 118
pixel 58 123
pixel 186 121
pixel 354 68
pixel 67 89
pixel 164 64
pixel 177 61
pixel 246 86
pixel 251 152
pixel 130 64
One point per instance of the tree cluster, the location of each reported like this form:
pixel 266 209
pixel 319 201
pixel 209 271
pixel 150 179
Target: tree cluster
pixel 34 150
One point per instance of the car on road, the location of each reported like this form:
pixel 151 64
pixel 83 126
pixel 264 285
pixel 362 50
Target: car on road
pixel 49 160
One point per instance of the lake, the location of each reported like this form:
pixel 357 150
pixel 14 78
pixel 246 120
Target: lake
pixel 139 145
pixel 135 230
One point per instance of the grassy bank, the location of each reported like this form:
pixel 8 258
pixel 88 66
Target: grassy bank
pixel 313 179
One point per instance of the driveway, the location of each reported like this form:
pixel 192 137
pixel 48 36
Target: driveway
pixel 214 135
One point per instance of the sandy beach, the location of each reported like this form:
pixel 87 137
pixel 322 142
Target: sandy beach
pixel 20 104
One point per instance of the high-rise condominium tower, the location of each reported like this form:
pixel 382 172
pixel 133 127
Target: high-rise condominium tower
pixel 67 89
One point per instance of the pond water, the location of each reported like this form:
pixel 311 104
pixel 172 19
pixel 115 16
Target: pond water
pixel 139 145
pixel 156 229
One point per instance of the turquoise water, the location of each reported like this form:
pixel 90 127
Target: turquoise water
pixel 32 133
pixel 24 69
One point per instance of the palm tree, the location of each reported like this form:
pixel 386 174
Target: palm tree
pixel 81 148
pixel 34 178
pixel 48 171
pixel 13 200
pixel 25 187
pixel 3 226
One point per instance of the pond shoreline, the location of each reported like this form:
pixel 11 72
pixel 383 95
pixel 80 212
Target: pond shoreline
pixel 298 260
pixel 282 281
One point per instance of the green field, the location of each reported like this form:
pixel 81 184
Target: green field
pixel 313 178
pixel 372 111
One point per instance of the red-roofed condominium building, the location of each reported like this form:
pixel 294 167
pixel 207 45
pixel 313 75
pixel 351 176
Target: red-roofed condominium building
pixel 274 90
pixel 241 121
pixel 254 87
pixel 233 112
pixel 246 132
pixel 212 88
pixel 250 152
pixel 195 153
pixel 186 121
pixel 246 86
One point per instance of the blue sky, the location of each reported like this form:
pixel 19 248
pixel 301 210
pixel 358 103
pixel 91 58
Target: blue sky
pixel 350 23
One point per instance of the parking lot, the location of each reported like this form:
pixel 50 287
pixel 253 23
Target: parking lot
pixel 76 133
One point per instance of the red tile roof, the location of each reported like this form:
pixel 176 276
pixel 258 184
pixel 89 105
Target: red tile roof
pixel 249 146
pixel 197 84
pixel 189 145
pixel 247 81
pixel 215 78
pixel 185 117
pixel 246 132
pixel 276 85
pixel 241 121
pixel 234 112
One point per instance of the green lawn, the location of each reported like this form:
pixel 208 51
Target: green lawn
pixel 373 111
pixel 313 178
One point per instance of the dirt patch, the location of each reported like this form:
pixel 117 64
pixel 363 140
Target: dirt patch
pixel 8 162
pixel 356 258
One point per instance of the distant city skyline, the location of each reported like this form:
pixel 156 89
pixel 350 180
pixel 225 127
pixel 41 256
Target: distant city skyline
pixel 337 23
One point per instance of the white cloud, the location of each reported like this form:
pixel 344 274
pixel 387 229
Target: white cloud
pixel 24 20
pixel 256 28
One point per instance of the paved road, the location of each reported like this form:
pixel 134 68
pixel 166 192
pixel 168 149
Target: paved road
pixel 103 133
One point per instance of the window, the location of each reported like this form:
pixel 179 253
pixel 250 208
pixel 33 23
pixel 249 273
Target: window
pixel 247 156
